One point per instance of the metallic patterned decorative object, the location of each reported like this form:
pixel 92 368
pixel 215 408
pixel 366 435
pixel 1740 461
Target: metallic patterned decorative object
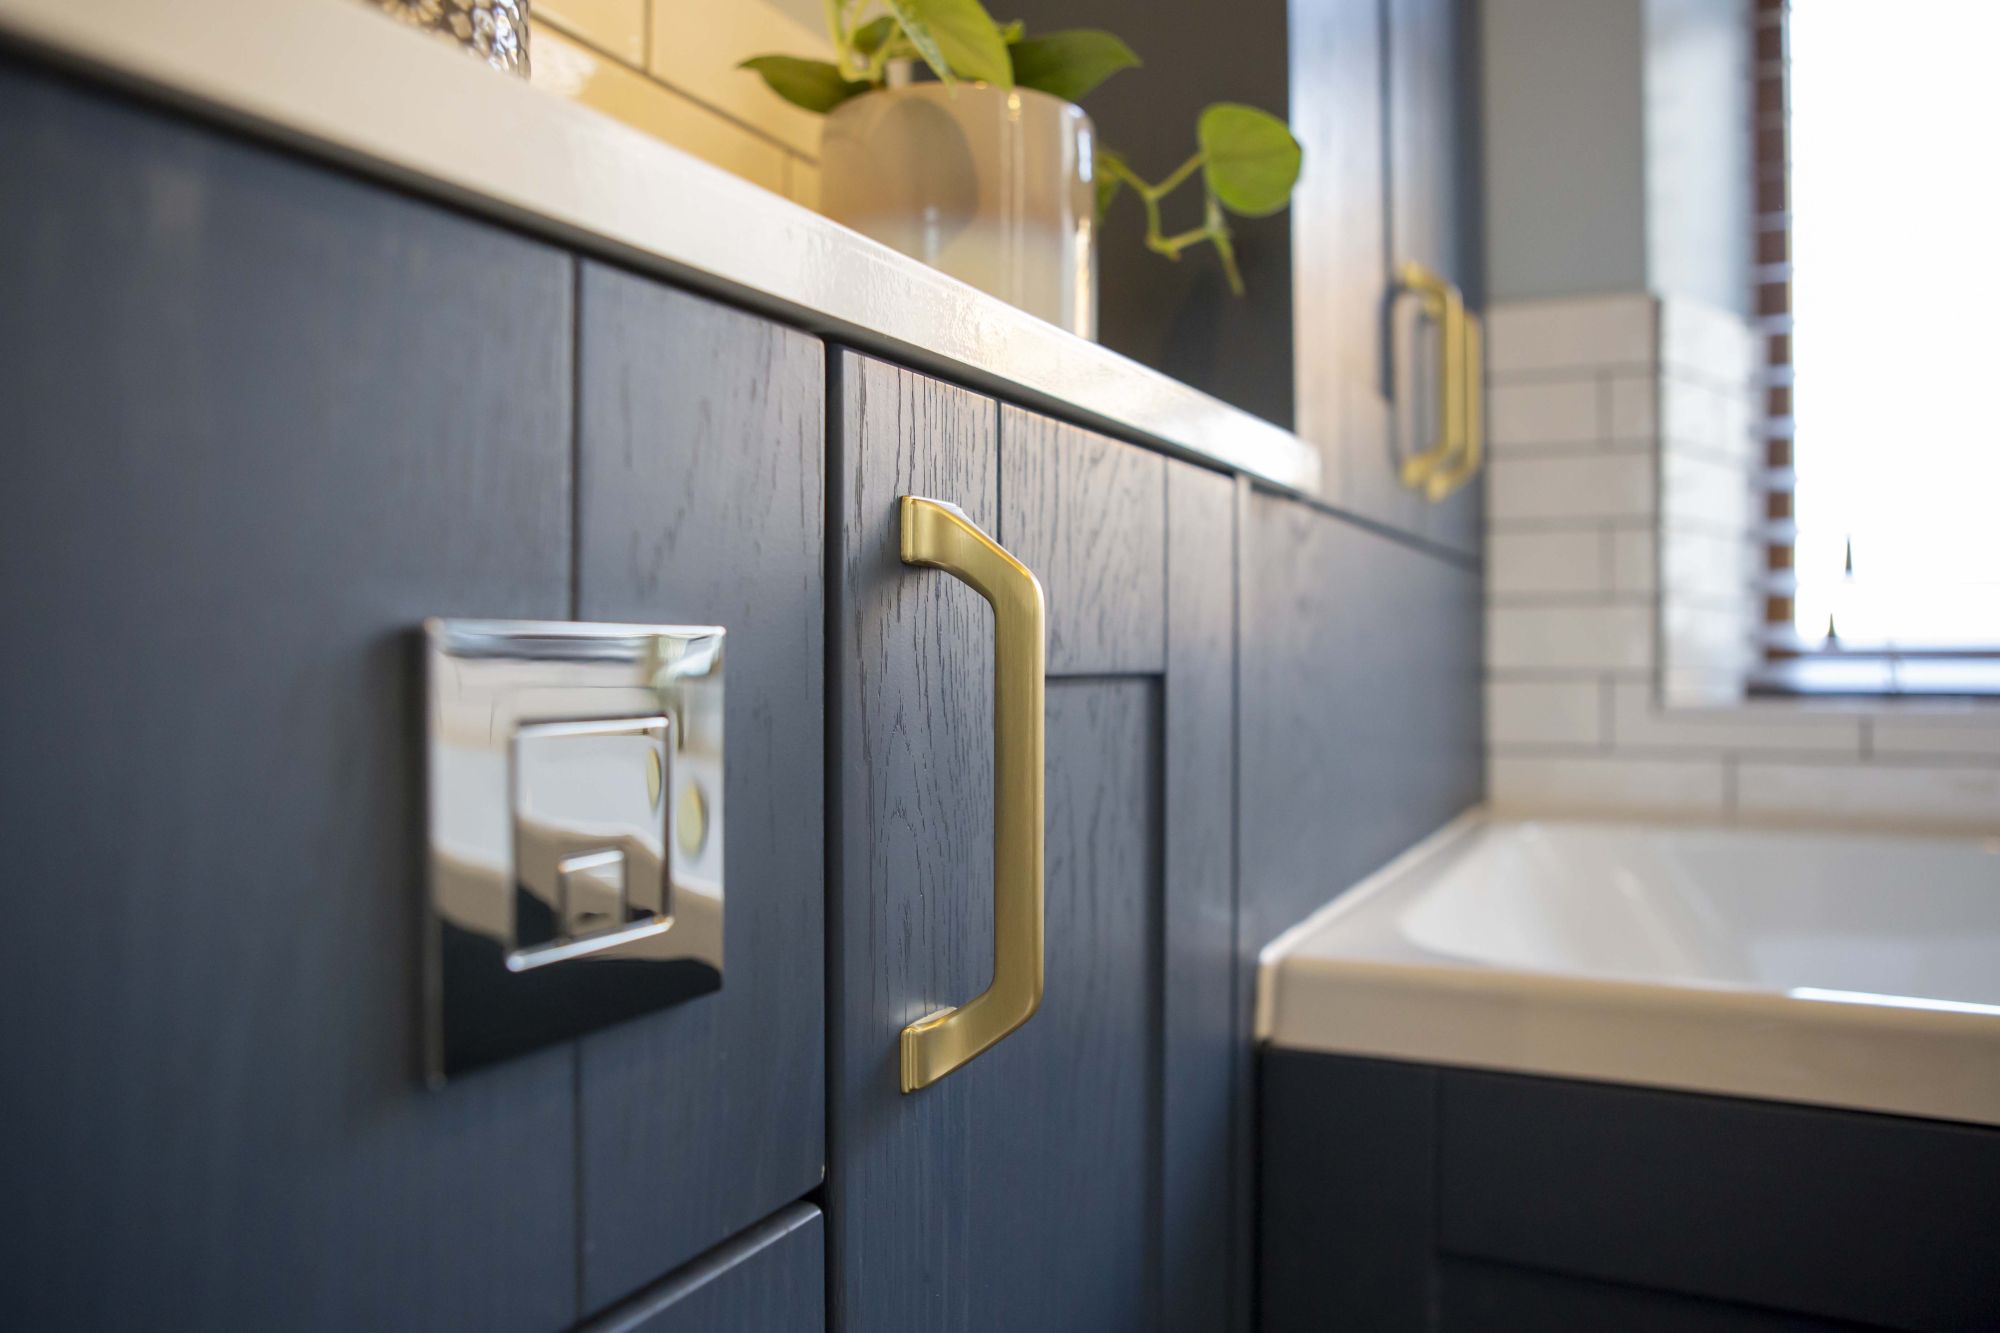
pixel 494 30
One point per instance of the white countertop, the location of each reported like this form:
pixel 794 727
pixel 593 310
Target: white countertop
pixel 330 78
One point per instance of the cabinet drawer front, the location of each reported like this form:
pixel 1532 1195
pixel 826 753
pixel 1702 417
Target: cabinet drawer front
pixel 1869 1218
pixel 770 1279
pixel 261 420
pixel 700 499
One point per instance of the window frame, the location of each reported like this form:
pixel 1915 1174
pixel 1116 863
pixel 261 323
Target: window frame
pixel 1789 665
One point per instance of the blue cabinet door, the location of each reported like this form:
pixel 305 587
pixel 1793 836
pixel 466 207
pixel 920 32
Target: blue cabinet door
pixel 1078 1174
pixel 263 417
pixel 769 1279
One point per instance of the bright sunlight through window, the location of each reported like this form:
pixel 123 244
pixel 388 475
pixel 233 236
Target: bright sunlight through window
pixel 1896 345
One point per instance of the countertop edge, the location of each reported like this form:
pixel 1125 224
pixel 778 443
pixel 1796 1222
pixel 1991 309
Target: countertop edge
pixel 534 161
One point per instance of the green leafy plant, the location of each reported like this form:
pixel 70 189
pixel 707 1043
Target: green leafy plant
pixel 1246 160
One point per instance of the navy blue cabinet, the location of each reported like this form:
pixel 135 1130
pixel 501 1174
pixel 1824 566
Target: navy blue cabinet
pixel 1408 1196
pixel 1077 1174
pixel 216 548
pixel 262 419
pixel 700 500
pixel 769 1279
pixel 263 416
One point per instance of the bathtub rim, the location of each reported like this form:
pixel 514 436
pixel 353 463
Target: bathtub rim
pixel 1887 1054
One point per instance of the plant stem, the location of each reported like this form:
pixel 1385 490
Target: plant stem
pixel 1171 246
pixel 1177 178
pixel 896 48
pixel 1213 229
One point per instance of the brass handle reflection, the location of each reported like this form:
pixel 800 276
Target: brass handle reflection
pixel 939 536
pixel 1454 456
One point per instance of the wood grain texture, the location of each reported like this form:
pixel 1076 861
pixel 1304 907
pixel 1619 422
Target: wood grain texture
pixel 1204 1037
pixel 1409 1196
pixel 1063 1137
pixel 910 911
pixel 1881 1220
pixel 770 1279
pixel 1379 103
pixel 1021 1191
pixel 700 499
pixel 1348 1194
pixel 1478 1297
pixel 1341 257
pixel 1434 159
pixel 1088 515
pixel 1434 220
pixel 262 420
pixel 1359 704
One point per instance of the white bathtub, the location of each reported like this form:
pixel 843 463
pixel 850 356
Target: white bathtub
pixel 1825 968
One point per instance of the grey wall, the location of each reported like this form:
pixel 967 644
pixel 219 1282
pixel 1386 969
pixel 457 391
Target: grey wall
pixel 1181 318
pixel 1565 146
pixel 1616 148
pixel 1698 142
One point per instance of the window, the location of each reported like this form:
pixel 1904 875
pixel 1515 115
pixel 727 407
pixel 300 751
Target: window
pixel 1881 300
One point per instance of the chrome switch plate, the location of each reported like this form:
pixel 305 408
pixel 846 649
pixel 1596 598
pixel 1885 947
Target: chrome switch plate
pixel 575 829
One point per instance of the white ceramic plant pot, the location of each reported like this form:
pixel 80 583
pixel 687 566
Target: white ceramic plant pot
pixel 992 187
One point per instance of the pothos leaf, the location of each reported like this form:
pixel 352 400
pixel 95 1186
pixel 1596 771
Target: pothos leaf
pixel 958 39
pixel 813 84
pixel 868 38
pixel 1108 171
pixel 1069 64
pixel 1252 160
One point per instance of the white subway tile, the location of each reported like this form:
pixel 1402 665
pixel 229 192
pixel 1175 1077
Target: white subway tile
pixel 1560 411
pixel 1616 485
pixel 1584 637
pixel 698 44
pixel 802 182
pixel 1706 492
pixel 1634 560
pixel 616 27
pixel 1545 562
pixel 1699 687
pixel 1634 406
pixel 1544 712
pixel 1736 416
pixel 1688 413
pixel 1714 567
pixel 1584 784
pixel 1707 341
pixel 1714 639
pixel 1874 795
pixel 1710 420
pixel 563 67
pixel 1572 333
pixel 1971 731
pixel 1639 721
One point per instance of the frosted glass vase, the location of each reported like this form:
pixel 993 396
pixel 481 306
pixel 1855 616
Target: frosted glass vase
pixel 992 187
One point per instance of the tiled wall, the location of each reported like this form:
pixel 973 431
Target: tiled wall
pixel 1619 557
pixel 669 68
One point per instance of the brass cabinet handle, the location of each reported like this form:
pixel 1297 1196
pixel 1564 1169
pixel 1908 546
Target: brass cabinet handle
pixel 1455 455
pixel 1472 412
pixel 939 536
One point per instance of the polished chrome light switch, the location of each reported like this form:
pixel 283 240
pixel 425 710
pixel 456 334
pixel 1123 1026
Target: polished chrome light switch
pixel 575 796
pixel 589 864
